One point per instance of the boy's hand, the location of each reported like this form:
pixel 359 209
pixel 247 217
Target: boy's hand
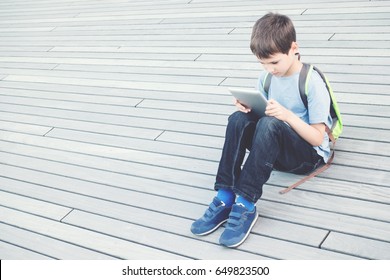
pixel 241 107
pixel 274 109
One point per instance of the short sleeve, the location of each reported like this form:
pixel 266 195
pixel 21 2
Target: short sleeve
pixel 318 101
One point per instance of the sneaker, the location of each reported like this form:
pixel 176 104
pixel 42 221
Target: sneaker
pixel 238 227
pixel 213 218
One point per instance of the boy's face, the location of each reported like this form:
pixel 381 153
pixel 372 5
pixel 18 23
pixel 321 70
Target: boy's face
pixel 280 64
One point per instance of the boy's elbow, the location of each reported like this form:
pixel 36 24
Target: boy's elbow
pixel 317 141
pixel 316 144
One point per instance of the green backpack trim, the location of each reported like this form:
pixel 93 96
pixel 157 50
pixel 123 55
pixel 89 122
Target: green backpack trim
pixel 304 77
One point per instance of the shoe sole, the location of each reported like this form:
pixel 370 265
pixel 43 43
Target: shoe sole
pixel 211 230
pixel 246 235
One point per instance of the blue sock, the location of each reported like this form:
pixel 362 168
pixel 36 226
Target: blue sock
pixel 248 204
pixel 227 196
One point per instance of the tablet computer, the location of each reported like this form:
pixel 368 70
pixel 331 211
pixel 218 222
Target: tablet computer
pixel 251 98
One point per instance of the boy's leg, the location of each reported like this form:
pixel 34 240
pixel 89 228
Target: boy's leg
pixel 239 133
pixel 275 145
pixel 273 142
pixel 238 139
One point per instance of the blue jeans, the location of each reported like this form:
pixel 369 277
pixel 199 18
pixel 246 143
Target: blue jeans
pixel 272 144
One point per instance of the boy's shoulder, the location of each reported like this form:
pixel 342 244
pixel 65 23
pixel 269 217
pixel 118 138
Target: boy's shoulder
pixel 309 77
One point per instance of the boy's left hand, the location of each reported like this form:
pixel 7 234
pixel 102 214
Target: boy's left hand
pixel 274 109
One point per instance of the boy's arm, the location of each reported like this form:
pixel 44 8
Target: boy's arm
pixel 313 133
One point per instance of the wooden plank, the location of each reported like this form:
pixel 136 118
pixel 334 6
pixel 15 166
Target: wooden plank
pixel 372 122
pixel 365 99
pixel 113 179
pixel 157 38
pixel 120 76
pixel 356 175
pixel 157 29
pixel 335 187
pixel 358 208
pixel 51 211
pixel 356 37
pixel 68 105
pixel 305 20
pixel 295 251
pixel 147 114
pixel 157 220
pixel 84 152
pixel 112 246
pixel 125 126
pixel 22 65
pixel 206 95
pixel 350 10
pixel 121 130
pixel 322 42
pixel 154 238
pixel 14 252
pixel 44 247
pixel 70 97
pixel 121 171
pixel 369 134
pixel 362 79
pixel 314 59
pixel 121 229
pixel 185 106
pixel 326 220
pixel 364 147
pixel 380 163
pixel 70 101
pixel 369 161
pixel 341 30
pixel 359 175
pixel 92 142
pixel 117 84
pixel 185 73
pixel 26 29
pixel 360 88
pixel 195 140
pixel 357 246
pixel 108 55
pixel 118 198
pixel 25 128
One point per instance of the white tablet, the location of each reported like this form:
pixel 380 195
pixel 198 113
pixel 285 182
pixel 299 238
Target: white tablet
pixel 251 98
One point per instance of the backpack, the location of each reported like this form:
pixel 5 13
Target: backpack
pixel 337 128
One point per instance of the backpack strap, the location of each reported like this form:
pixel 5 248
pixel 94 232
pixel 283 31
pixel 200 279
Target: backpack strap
pixel 267 83
pixel 303 80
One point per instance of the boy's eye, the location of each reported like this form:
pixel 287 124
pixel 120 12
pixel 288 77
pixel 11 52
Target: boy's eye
pixel 275 62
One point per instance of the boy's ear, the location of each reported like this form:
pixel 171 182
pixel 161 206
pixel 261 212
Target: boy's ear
pixel 295 47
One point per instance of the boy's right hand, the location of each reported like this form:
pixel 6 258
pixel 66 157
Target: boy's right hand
pixel 241 107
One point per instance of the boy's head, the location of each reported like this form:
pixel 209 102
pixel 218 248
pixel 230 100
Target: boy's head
pixel 271 34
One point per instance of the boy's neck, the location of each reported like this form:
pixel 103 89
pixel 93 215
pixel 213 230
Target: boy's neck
pixel 296 67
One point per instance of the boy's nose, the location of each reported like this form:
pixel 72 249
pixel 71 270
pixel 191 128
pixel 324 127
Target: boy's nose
pixel 269 69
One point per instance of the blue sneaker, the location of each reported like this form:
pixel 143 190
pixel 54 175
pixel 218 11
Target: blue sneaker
pixel 213 218
pixel 238 227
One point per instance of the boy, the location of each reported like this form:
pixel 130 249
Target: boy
pixel 289 138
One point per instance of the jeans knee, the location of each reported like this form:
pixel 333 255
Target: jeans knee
pixel 268 128
pixel 239 118
pixel 268 124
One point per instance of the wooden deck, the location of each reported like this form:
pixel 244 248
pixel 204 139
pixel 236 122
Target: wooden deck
pixel 112 119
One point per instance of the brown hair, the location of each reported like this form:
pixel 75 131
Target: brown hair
pixel 273 33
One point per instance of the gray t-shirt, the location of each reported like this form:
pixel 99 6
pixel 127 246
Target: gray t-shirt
pixel 285 90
